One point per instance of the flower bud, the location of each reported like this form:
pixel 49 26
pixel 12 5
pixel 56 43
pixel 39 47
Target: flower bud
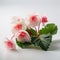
pixel 44 19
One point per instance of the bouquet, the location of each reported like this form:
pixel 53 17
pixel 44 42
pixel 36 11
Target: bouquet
pixel 32 32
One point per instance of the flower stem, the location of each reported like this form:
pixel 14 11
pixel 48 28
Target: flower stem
pixel 36 31
pixel 12 36
pixel 39 26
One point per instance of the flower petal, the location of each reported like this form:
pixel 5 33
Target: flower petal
pixel 23 36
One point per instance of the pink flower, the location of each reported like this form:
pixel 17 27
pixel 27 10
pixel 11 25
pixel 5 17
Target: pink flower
pixel 18 24
pixel 16 28
pixel 44 19
pixel 34 20
pixel 10 45
pixel 23 36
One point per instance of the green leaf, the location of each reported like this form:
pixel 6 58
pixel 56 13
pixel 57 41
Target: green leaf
pixel 35 40
pixel 26 44
pixel 52 28
pixel 20 44
pixel 31 32
pixel 44 31
pixel 23 45
pixel 42 41
pixel 49 28
pixel 45 41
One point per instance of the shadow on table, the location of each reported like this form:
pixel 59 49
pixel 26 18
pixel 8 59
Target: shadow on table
pixel 55 46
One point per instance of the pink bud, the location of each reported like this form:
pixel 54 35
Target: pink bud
pixel 10 45
pixel 44 19
pixel 23 36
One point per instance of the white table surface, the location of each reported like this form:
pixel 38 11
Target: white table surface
pixel 22 8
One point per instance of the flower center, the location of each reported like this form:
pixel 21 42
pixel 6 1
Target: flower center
pixel 10 44
pixel 18 26
pixel 33 18
pixel 22 34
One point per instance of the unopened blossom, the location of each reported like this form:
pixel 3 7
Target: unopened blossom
pixel 10 45
pixel 44 19
pixel 18 24
pixel 23 36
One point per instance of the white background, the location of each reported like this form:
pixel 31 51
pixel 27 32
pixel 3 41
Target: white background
pixel 23 8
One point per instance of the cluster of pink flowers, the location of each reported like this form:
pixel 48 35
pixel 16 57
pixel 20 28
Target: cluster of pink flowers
pixel 19 27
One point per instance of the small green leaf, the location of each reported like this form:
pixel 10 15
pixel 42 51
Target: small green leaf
pixel 31 32
pixel 26 44
pixel 23 45
pixel 52 28
pixel 20 44
pixel 45 41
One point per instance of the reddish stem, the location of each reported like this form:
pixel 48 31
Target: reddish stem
pixel 39 26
